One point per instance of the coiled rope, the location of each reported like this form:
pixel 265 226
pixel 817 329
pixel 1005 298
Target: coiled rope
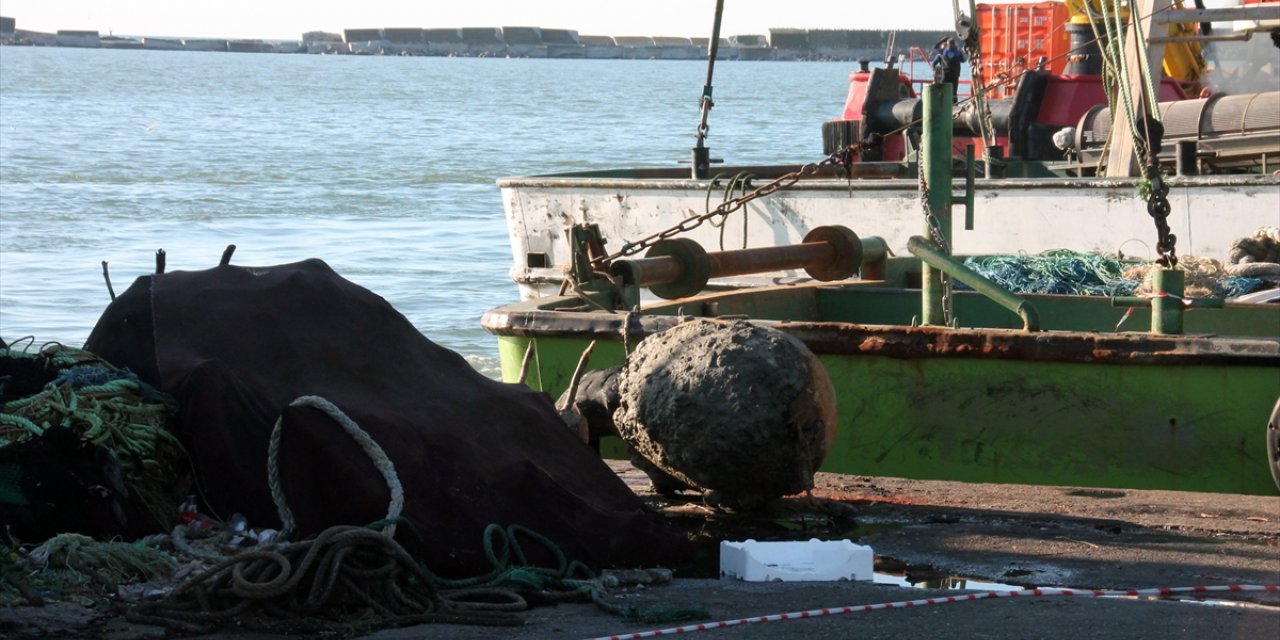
pixel 905 604
pixel 362 578
pixel 739 182
pixel 104 406
pixel 359 577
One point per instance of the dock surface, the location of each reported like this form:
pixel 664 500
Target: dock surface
pixel 974 538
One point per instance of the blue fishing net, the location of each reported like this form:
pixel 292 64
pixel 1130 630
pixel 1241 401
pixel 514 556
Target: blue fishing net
pixel 1089 274
pixel 1239 285
pixel 1057 272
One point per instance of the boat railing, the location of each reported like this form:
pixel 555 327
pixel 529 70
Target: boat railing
pixel 932 256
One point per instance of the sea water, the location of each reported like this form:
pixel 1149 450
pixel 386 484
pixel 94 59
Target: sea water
pixel 383 167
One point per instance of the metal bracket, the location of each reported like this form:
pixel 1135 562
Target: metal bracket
pixel 965 199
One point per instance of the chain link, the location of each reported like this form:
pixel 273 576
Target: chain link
pixel 1158 208
pixel 940 239
pixel 1148 147
pixel 724 209
pixel 979 97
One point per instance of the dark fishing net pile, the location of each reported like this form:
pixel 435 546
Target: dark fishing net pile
pixel 84 447
pixel 1065 272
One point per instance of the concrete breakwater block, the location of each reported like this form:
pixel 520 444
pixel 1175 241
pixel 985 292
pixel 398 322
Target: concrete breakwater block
pixel 744 412
pixel 812 561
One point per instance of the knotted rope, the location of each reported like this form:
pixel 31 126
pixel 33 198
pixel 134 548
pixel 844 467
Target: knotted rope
pixel 361 577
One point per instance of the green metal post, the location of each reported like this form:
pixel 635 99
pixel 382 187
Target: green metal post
pixel 1166 307
pixel 931 256
pixel 935 167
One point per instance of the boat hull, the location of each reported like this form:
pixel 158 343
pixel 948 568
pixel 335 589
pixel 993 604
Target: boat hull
pixel 994 405
pixel 1014 215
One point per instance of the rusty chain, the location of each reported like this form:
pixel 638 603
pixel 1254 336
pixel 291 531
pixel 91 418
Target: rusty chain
pixel 1158 208
pixel 727 207
pixel 940 239
pixel 1155 188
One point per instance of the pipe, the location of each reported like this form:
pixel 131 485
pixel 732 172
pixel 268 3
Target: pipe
pixel 702 154
pixel 930 255
pixel 667 269
pixel 1183 16
pixel 680 267
pixel 1167 304
pixel 896 114
pixel 935 171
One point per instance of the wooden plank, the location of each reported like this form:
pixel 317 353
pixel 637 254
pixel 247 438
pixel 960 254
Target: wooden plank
pixel 1123 160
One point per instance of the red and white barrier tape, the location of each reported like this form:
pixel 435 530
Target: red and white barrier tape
pixel 1162 592
pixel 1156 294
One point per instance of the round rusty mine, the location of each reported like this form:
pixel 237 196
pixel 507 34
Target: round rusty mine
pixel 744 412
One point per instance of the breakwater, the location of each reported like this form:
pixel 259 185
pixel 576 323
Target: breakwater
pixel 513 42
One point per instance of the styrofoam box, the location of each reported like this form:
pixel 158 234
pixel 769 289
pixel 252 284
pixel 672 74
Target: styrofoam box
pixel 815 561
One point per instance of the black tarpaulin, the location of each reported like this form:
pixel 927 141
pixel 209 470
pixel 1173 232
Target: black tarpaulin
pixel 236 345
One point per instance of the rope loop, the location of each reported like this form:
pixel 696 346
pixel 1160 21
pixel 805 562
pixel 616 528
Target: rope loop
pixel 379 458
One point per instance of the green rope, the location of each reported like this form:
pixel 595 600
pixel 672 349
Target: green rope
pixel 1119 62
pixel 738 181
pixel 1144 58
pixel 111 560
pixel 19 422
pixel 564 580
pixel 74 565
pixel 356 577
pixel 104 406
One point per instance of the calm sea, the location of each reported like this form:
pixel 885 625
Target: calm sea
pixel 383 167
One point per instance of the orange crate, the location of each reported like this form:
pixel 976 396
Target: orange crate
pixel 1014 37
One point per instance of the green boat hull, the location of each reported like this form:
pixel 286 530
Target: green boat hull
pixel 988 405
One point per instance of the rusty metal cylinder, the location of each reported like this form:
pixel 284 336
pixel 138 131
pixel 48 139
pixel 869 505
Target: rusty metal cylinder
pixel 1235 130
pixel 680 267
pixel 1166 306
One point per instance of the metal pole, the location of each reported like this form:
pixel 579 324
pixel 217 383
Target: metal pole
pixel 932 257
pixel 1166 307
pixel 935 168
pixel 701 154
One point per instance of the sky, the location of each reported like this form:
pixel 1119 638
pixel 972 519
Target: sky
pixel 288 19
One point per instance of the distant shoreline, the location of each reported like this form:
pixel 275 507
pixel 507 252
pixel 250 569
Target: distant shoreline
pixel 513 42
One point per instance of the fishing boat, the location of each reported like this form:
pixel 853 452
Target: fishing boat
pixel 940 372
pixel 1031 389
pixel 1041 119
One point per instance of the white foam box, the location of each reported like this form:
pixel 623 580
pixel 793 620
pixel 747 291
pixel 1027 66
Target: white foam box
pixel 812 561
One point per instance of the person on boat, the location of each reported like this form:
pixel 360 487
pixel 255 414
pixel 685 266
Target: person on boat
pixel 947 57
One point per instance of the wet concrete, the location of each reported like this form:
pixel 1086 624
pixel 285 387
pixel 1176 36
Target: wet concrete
pixel 927 533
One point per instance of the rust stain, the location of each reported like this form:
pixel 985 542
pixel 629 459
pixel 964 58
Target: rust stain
pixel 861 498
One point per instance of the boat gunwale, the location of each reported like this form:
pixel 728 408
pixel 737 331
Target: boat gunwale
pixel 580 181
pixel 537 319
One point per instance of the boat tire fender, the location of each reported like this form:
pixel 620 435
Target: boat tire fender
pixel 1273 444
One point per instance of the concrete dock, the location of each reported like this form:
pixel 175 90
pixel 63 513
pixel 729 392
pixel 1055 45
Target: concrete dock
pixel 509 42
pixel 931 539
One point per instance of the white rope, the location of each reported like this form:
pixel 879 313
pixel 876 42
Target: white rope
pixel 371 448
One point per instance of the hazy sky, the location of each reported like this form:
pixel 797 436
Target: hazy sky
pixel 287 19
